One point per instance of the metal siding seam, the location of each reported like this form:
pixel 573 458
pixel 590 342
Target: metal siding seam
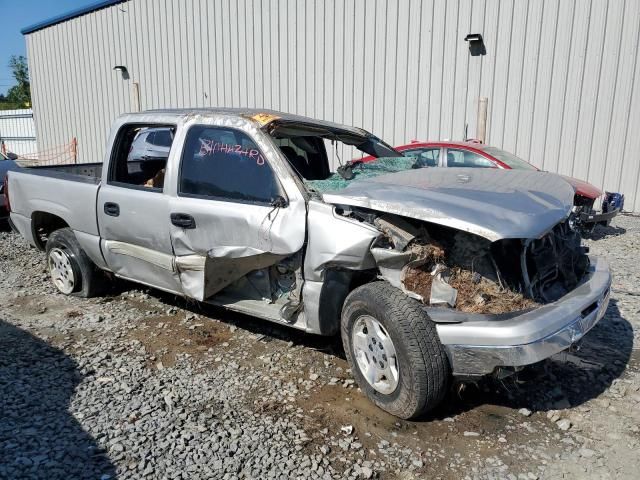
pixel 196 22
pixel 628 122
pixel 595 110
pixel 506 92
pixel 62 84
pixel 54 63
pixel 33 76
pixel 535 84
pixel 394 78
pixel 175 33
pixel 467 80
pixel 206 57
pixel 171 92
pixel 80 31
pixel 546 119
pixel 418 70
pixel 328 60
pixel 49 93
pixel 284 57
pixel 353 63
pixel 552 139
pixel 522 62
pixel 391 45
pixel 184 57
pixel 491 110
pixel 368 63
pixel 455 72
pixel 442 69
pixel 72 65
pixel 564 91
pixel 52 48
pixel 580 85
pixel 234 56
pixel 613 102
pixel 409 71
pixel 480 68
pixel 266 56
pixel 157 94
pixel 133 46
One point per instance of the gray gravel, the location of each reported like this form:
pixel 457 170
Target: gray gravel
pixel 139 384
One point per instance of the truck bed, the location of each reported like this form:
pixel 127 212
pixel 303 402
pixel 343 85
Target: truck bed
pixel 91 172
pixel 66 191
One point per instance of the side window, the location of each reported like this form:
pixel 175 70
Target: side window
pixel 428 156
pixel 464 158
pixel 161 138
pixel 306 155
pixel 131 165
pixel 225 163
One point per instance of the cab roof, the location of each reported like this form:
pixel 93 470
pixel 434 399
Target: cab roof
pixel 260 116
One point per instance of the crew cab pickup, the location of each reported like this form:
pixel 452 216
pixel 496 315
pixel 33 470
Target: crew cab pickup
pixel 425 273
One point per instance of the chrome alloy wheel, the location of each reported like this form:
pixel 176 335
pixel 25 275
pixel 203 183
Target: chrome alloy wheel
pixel 375 354
pixel 61 270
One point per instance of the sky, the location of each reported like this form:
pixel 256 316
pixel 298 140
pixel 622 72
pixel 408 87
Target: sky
pixel 18 14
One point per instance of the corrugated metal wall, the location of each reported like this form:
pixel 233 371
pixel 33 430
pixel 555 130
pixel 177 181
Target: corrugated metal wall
pixel 17 131
pixel 561 76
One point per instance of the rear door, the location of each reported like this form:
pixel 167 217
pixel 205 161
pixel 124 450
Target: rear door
pixel 133 216
pixel 235 208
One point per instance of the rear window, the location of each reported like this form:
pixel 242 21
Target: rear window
pixel 226 164
pixel 509 158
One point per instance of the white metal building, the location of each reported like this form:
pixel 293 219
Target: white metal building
pixel 17 131
pixel 560 76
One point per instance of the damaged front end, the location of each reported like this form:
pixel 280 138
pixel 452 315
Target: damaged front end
pixel 443 267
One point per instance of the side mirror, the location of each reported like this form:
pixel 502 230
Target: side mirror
pixel 279 202
pixel 12 156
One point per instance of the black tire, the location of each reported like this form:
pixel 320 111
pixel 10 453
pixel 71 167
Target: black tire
pixel 423 366
pixel 89 280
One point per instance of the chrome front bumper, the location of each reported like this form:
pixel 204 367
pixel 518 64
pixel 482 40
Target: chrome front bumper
pixel 479 344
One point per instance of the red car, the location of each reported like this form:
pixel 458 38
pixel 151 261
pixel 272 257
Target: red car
pixel 472 154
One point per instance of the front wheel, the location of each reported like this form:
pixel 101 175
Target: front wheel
pixel 394 351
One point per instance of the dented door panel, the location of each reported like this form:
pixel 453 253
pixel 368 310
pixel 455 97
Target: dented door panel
pixel 232 237
pixel 230 240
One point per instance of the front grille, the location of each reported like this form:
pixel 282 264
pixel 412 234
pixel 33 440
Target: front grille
pixel 554 264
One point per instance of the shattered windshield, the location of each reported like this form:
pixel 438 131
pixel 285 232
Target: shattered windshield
pixel 363 170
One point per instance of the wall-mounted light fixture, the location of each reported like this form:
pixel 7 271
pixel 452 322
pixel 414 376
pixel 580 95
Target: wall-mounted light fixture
pixel 123 71
pixel 476 44
pixel 135 88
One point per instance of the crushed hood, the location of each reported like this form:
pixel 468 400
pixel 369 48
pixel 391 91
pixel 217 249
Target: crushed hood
pixel 492 203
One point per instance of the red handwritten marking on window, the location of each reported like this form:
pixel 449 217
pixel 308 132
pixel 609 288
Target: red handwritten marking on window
pixel 209 147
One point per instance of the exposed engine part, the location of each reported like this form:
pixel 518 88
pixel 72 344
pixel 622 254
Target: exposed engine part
pixel 400 232
pixel 467 272
pixel 286 278
pixel 441 292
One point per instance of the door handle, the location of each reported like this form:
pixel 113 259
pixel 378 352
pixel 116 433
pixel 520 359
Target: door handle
pixel 183 220
pixel 112 209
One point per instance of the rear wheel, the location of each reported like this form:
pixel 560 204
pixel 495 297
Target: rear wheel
pixel 394 351
pixel 72 271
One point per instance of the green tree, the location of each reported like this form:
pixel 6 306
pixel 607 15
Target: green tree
pixel 21 92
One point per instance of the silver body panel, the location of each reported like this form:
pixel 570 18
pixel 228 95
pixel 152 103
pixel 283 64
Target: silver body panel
pixel 478 347
pixel 142 244
pixel 494 204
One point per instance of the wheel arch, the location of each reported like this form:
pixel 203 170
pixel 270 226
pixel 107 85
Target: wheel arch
pixel 337 285
pixel 43 224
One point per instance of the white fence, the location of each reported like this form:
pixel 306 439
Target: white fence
pixel 17 131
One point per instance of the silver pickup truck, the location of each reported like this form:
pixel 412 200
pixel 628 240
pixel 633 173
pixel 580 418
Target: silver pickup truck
pixel 426 273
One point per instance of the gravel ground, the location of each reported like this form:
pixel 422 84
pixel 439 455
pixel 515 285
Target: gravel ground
pixel 139 384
